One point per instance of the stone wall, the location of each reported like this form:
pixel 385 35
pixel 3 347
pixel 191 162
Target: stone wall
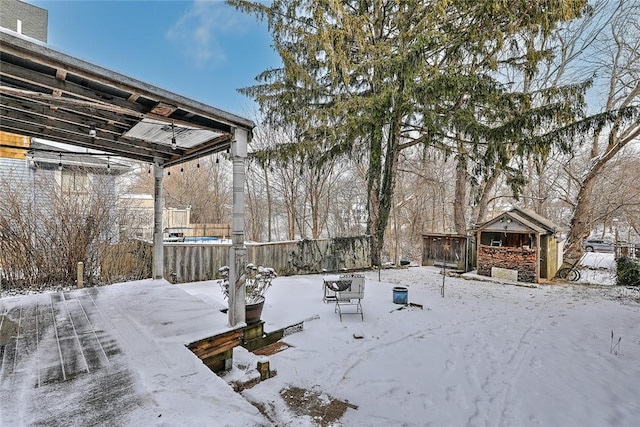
pixel 522 260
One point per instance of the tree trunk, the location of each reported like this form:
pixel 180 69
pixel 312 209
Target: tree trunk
pixel 314 193
pixel 374 177
pixel 291 214
pixel 483 202
pixel 460 196
pixel 581 222
pixel 269 203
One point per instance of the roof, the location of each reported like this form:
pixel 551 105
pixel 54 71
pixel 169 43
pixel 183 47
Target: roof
pixel 48 156
pixel 445 235
pixel 538 219
pixel 525 217
pixel 50 95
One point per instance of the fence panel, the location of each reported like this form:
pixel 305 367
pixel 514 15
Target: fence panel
pixel 198 262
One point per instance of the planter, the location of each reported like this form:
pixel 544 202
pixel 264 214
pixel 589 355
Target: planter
pixel 254 311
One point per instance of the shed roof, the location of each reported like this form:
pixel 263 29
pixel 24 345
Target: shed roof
pixel 527 218
pixel 547 224
pixel 50 95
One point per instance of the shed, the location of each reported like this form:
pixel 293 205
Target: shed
pixel 450 250
pixel 518 245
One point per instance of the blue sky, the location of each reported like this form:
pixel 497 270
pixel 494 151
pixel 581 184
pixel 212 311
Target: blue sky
pixel 203 50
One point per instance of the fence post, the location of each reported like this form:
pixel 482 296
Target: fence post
pixel 80 274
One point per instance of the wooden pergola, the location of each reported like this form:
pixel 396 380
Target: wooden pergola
pixel 50 95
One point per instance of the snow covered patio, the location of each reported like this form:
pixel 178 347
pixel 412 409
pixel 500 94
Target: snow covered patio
pixel 485 354
pixel 112 355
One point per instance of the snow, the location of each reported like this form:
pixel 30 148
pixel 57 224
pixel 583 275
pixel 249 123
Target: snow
pixel 597 268
pixel 141 373
pixel 485 353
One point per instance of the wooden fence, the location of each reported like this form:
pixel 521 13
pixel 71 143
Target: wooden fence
pixel 188 262
pixel 221 231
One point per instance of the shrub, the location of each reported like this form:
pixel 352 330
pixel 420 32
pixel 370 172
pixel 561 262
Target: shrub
pixel 46 228
pixel 628 272
pixel 257 281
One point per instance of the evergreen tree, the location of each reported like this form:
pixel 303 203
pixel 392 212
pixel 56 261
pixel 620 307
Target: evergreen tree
pixel 368 79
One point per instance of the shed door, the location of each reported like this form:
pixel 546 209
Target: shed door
pixel 544 261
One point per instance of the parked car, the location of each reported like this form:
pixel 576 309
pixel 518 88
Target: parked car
pixel 598 245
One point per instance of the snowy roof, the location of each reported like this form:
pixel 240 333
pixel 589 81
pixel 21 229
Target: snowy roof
pixel 534 217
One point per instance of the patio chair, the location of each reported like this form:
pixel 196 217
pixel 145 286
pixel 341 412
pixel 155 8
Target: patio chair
pixel 348 290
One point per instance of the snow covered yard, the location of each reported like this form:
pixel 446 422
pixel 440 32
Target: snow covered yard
pixel 597 268
pixel 485 354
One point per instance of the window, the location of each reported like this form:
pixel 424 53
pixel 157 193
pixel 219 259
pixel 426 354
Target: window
pixel 75 182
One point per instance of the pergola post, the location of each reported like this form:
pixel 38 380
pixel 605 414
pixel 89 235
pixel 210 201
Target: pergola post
pixel 158 249
pixel 238 251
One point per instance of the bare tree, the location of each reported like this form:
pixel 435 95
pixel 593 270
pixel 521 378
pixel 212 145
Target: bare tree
pixel 617 63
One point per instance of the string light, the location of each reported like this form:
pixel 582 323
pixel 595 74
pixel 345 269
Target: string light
pixel 92 127
pixel 60 162
pixel 173 137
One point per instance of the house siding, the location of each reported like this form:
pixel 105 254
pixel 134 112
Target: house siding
pixel 37 187
pixel 13 170
pixel 35 20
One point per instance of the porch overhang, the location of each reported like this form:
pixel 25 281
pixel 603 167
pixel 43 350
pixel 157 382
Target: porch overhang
pixel 50 95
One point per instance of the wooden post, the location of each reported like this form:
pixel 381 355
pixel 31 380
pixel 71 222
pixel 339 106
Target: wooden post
pixel 263 368
pixel 238 251
pixel 80 277
pixel 158 248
